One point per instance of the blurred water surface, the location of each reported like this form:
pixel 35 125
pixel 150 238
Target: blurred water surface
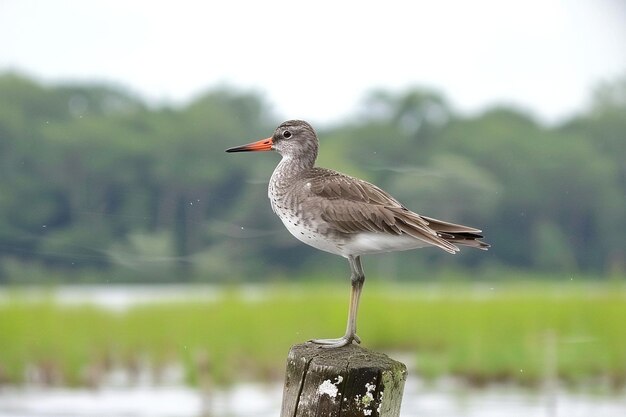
pixel 444 399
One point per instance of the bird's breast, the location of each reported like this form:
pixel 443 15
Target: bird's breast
pixel 305 225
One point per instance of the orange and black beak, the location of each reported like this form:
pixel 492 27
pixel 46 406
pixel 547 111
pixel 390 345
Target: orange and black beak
pixel 260 145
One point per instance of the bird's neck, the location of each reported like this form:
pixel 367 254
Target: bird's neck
pixel 289 168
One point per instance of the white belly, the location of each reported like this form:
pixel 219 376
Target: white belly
pixel 365 243
pixel 311 237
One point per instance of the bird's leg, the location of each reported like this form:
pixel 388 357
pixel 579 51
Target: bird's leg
pixel 357 278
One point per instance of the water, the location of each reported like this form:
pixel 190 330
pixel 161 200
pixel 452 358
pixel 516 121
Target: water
pixel 120 297
pixel 177 401
pixel 444 399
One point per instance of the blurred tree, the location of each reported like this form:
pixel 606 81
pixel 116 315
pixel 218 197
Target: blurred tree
pixel 91 177
pixel 604 128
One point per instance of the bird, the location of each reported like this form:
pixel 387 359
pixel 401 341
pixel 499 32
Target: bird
pixel 346 216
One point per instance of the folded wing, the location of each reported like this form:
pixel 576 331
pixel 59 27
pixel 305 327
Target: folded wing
pixel 350 205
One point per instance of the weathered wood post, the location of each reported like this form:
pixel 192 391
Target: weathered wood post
pixel 349 381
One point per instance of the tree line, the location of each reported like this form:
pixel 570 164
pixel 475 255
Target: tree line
pixel 95 184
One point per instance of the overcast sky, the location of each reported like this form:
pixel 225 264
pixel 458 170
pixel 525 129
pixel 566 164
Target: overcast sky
pixel 316 60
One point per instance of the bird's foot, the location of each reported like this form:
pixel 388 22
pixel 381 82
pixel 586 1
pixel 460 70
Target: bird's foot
pixel 336 343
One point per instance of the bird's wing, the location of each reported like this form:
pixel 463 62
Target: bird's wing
pixel 350 205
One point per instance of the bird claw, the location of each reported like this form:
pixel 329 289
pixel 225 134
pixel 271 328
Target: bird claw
pixel 338 342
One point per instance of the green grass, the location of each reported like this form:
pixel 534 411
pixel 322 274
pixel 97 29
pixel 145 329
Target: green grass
pixel 511 332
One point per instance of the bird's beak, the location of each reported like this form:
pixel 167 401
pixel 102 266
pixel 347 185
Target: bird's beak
pixel 259 145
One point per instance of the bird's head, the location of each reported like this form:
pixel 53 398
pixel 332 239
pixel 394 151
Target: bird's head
pixel 293 139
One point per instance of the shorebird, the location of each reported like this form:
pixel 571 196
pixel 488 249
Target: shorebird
pixel 344 215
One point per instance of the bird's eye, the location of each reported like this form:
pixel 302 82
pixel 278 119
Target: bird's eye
pixel 286 134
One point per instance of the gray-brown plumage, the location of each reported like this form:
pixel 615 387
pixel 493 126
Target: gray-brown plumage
pixel 345 215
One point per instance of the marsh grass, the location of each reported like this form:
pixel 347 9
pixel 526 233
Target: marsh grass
pixel 523 332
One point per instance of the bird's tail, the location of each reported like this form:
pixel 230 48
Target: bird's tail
pixel 457 234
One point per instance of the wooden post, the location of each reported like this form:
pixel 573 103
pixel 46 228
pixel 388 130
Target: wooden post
pixel 349 381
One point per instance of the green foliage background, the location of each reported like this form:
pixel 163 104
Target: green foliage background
pixel 95 185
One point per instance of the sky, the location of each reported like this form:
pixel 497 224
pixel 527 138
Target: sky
pixel 318 60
